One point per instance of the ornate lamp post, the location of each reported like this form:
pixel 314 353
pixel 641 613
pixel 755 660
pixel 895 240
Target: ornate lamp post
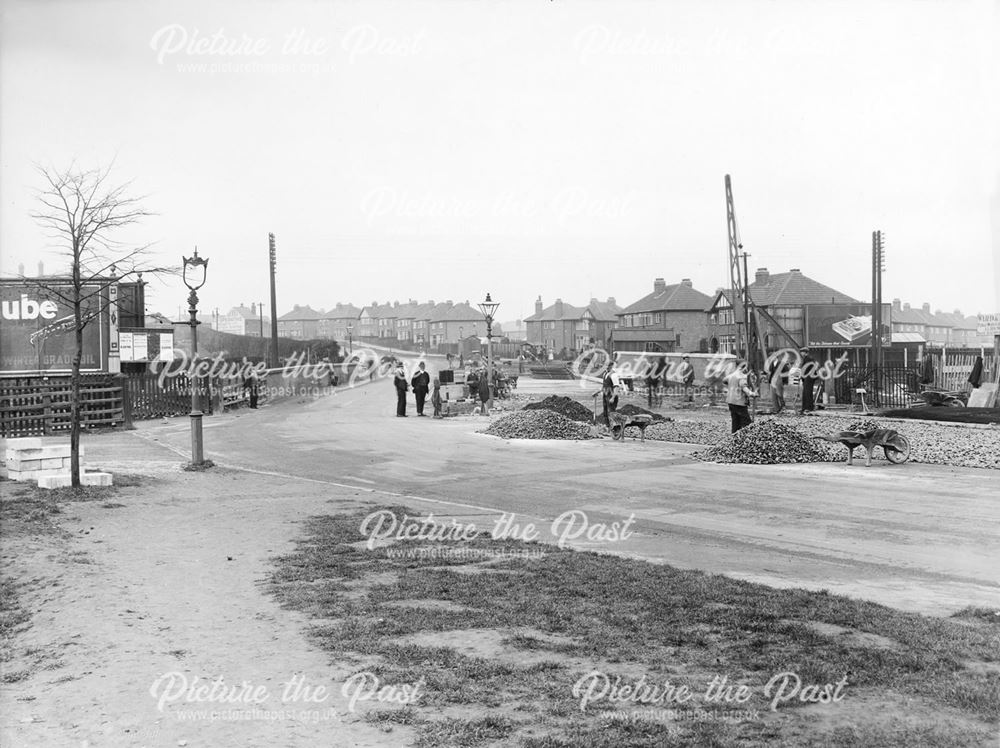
pixel 489 309
pixel 195 272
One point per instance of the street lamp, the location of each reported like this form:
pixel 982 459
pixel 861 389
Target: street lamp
pixel 489 309
pixel 350 340
pixel 195 271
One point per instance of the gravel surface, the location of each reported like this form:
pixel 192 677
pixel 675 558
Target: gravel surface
pixel 564 406
pixel 934 443
pixel 538 424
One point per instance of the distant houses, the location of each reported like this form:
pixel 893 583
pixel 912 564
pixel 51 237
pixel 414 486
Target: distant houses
pixel 672 317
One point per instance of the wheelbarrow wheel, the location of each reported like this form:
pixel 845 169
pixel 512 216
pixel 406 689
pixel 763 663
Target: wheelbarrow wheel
pixel 898 456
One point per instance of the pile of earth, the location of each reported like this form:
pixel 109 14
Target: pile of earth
pixel 767 442
pixel 538 424
pixel 633 410
pixel 564 406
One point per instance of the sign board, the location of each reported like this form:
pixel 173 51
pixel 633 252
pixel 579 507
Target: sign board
pixel 146 345
pixel 844 325
pixel 38 333
pixel 989 324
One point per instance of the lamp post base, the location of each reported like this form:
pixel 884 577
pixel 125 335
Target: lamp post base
pixel 197 444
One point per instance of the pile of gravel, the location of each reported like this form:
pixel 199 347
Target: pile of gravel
pixel 564 406
pixel 766 442
pixel 538 424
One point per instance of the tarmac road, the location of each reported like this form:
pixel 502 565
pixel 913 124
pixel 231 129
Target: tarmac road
pixel 918 537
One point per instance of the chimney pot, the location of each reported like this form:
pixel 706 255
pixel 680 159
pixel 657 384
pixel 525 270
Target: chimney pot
pixel 794 270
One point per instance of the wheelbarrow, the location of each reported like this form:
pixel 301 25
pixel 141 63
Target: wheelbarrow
pixel 622 421
pixel 894 444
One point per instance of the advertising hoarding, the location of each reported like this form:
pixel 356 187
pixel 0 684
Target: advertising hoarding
pixel 37 331
pixel 844 325
pixel 146 345
pixel 989 324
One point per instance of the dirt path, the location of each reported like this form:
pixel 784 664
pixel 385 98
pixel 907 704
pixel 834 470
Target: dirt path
pixel 170 583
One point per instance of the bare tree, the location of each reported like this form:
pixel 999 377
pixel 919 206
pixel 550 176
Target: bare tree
pixel 82 212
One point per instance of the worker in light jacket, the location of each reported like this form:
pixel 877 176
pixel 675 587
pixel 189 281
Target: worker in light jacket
pixel 739 393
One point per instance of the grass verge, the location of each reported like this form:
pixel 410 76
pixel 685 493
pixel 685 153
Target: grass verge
pixel 507 642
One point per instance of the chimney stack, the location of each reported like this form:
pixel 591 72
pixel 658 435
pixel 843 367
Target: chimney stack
pixel 41 269
pixel 559 308
pixel 659 285
pixel 906 306
pixel 538 305
pixel 611 300
pixel 926 307
pixel 20 269
pixel 763 277
pixel 253 308
pixel 686 282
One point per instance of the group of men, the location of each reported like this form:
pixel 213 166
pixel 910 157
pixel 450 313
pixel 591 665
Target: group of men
pixel 479 387
pixel 420 382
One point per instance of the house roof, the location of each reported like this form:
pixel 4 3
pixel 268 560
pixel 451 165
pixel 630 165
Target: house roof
pixel 244 312
pixel 461 312
pixel 677 297
pixel 909 316
pixel 342 311
pixel 601 311
pixel 908 337
pixel 795 289
pixel 299 314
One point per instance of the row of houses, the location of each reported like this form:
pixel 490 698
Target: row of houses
pixel 672 317
pixel 678 317
pixel 419 323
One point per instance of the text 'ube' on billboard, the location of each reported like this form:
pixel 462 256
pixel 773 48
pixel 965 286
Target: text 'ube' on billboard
pixel 37 330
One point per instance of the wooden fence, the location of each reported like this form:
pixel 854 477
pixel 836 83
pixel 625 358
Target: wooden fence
pixel 39 405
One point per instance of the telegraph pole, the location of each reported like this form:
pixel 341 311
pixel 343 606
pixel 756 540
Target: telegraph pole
pixel 273 363
pixel 260 305
pixel 878 266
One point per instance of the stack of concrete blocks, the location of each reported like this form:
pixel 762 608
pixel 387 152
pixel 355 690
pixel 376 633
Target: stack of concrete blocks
pixel 28 459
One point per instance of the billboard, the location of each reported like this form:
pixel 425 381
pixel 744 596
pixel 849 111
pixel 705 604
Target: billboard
pixel 37 331
pixel 844 325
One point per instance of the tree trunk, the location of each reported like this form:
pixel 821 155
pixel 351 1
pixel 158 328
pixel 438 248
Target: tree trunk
pixel 74 432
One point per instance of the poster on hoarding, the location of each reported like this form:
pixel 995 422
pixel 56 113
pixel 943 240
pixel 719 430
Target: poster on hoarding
pixel 844 325
pixel 989 324
pixel 37 332
pixel 142 346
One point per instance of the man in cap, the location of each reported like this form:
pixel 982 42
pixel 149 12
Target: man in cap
pixel 685 372
pixel 809 378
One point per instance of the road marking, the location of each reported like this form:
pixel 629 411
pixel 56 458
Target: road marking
pixel 363 480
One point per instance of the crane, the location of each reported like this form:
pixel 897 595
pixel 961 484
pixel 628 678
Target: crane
pixel 748 339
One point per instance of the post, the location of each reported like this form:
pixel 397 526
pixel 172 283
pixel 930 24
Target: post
pixel 273 363
pixel 197 445
pixel 489 362
pixel 261 308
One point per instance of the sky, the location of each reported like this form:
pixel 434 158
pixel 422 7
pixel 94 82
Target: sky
pixel 575 150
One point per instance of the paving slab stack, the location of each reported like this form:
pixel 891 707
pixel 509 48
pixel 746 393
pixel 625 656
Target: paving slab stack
pixel 29 459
